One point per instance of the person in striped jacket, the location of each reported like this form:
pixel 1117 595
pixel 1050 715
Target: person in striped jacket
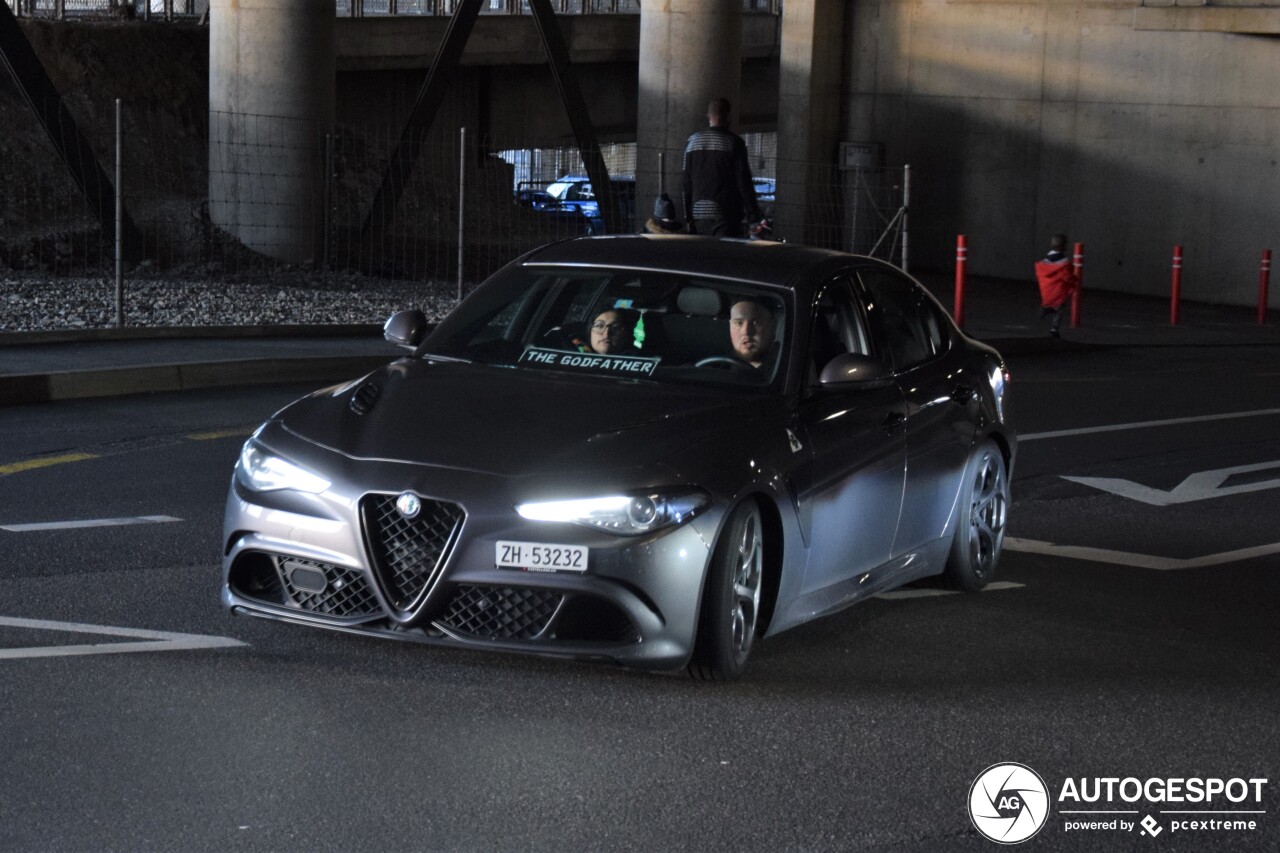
pixel 718 191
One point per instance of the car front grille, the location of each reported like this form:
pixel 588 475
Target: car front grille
pixel 326 589
pixel 499 613
pixel 408 553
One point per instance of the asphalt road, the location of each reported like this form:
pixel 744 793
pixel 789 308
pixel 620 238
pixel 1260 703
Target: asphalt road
pixel 1133 635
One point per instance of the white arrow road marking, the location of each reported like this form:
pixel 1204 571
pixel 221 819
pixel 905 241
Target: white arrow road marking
pixel 91 522
pixel 1140 561
pixel 1197 487
pixel 931 593
pixel 1036 436
pixel 151 641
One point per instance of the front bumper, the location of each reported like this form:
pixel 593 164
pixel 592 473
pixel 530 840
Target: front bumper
pixel 314 561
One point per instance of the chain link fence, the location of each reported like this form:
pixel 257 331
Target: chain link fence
pixel 220 199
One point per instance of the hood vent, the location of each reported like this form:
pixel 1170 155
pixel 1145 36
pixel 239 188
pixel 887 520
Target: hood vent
pixel 364 398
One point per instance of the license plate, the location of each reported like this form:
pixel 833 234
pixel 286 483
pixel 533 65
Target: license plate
pixel 541 557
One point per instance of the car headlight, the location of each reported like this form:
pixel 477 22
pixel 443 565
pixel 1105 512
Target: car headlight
pixel 626 515
pixel 261 470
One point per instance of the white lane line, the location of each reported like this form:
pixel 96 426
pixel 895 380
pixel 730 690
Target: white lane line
pixel 1044 380
pixel 150 641
pixel 1139 561
pixel 932 593
pixel 1062 433
pixel 91 522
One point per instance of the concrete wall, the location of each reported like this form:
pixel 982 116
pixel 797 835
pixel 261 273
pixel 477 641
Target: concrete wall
pixel 1024 118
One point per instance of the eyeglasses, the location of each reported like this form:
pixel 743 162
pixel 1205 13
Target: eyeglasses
pixel 611 327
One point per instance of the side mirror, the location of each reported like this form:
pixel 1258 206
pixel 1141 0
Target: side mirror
pixel 852 367
pixel 406 328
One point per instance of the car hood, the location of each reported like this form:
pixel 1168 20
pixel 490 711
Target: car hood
pixel 516 422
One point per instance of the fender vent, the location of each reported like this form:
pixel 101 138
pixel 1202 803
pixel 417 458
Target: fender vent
pixel 364 398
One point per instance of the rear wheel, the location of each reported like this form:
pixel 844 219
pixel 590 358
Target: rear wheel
pixel 731 602
pixel 984 503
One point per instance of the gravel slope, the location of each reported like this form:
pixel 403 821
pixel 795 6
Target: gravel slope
pixel 62 304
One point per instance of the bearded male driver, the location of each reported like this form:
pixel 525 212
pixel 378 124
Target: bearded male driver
pixel 751 331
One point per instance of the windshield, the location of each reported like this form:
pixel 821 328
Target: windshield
pixel 632 324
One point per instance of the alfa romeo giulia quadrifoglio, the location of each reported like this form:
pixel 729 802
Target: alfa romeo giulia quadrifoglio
pixel 648 450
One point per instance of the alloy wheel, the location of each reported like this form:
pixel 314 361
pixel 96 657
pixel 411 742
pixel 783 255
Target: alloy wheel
pixel 987 514
pixel 748 564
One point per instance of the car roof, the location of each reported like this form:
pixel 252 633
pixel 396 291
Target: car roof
pixel 760 261
pixel 564 179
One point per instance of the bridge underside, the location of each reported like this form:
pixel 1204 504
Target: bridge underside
pixel 381 64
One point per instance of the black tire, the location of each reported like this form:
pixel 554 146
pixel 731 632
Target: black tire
pixel 983 510
pixel 730 614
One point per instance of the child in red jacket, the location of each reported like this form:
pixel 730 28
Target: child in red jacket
pixel 1058 282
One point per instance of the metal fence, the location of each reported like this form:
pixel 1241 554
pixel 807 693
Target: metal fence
pixel 206 198
pixel 180 9
pixel 120 9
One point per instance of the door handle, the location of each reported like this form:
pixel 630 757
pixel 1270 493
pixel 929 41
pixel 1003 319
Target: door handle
pixel 892 421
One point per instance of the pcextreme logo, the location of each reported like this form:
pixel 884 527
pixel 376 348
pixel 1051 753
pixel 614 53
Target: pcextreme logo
pixel 1009 803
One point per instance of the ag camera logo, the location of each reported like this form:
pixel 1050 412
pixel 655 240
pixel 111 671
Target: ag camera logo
pixel 1008 803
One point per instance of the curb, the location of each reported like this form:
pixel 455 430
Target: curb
pixel 142 333
pixel 112 382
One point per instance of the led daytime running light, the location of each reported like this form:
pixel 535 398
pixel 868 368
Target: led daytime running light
pixel 627 515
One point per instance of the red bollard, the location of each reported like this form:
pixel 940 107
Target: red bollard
pixel 1077 261
pixel 1264 280
pixel 962 252
pixel 1175 295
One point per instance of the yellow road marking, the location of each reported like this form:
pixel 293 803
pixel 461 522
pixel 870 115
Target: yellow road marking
pixel 15 467
pixel 225 433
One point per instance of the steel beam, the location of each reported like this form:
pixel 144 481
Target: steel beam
pixel 438 80
pixel 430 96
pixel 19 58
pixel 576 107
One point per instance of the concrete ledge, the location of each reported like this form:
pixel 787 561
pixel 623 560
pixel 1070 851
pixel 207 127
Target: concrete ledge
pixel 142 333
pixel 113 382
pixel 365 44
pixel 1208 19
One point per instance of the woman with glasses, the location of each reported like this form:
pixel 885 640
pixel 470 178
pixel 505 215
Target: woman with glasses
pixel 611 332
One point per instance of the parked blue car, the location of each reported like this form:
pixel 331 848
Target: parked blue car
pixel 574 192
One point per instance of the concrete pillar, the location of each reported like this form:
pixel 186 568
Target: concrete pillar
pixel 809 98
pixel 690 52
pixel 271 102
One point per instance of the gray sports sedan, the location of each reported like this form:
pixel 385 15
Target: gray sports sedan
pixel 649 450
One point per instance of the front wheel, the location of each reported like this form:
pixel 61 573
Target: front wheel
pixel 984 504
pixel 730 613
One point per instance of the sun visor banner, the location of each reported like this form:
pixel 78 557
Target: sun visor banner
pixel 627 365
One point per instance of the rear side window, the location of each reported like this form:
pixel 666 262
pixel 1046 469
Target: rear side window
pixel 907 320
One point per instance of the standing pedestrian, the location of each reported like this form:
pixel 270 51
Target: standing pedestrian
pixel 718 191
pixel 1058 282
